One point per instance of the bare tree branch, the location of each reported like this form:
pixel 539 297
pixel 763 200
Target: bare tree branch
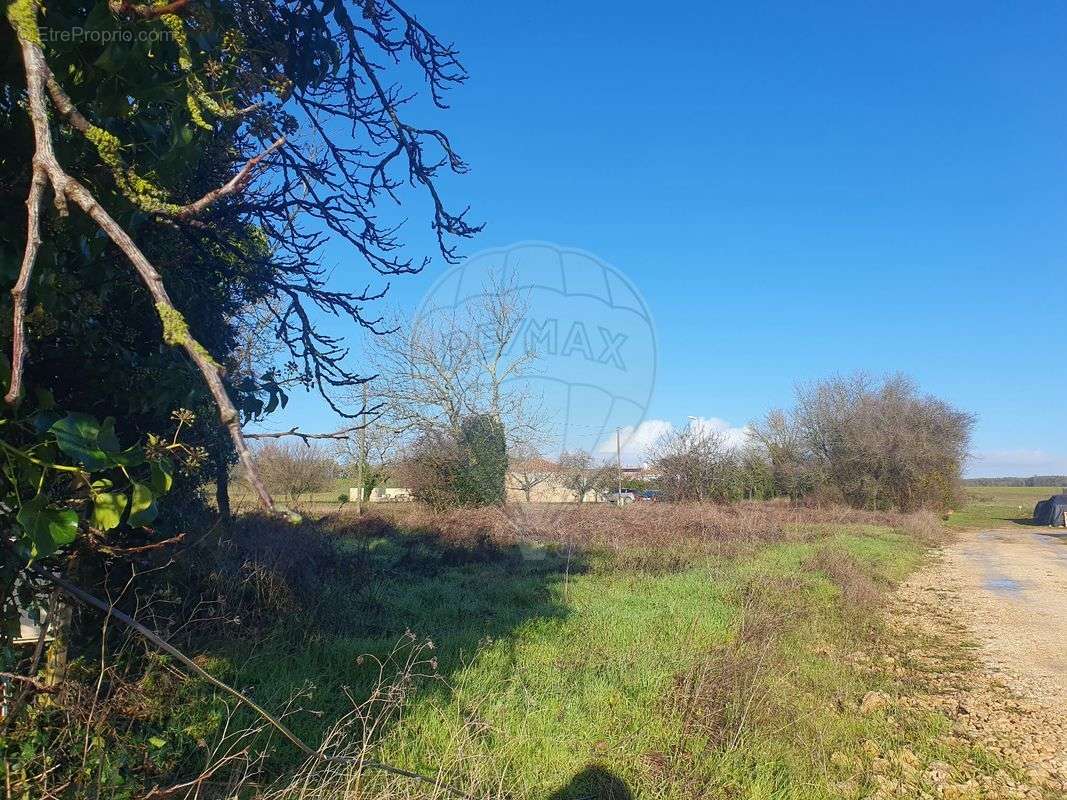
pixel 236 184
pixel 175 330
pixel 342 434
pixel 18 293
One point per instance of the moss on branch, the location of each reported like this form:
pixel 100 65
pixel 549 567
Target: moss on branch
pixel 176 331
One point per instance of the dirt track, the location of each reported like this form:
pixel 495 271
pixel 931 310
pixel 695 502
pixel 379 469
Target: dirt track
pixel 1004 590
pixel 1011 587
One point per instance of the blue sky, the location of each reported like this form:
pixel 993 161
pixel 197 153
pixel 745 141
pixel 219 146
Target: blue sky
pixel 796 192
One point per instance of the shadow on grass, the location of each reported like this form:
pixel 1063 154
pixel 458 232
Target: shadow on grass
pixel 594 782
pixel 318 600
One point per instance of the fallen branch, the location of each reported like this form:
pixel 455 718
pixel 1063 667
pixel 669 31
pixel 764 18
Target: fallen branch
pixel 138 549
pixel 84 597
pixel 31 684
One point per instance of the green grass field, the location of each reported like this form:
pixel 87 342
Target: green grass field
pixel 556 675
pixel 998 506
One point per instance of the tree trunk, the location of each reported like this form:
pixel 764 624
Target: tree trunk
pixel 222 491
pixel 55 665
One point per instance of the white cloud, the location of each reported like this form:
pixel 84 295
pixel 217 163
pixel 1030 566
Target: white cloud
pixel 1022 462
pixel 636 443
pixel 731 436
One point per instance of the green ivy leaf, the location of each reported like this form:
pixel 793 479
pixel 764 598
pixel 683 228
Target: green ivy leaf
pixel 78 436
pixel 162 475
pixel 143 508
pixel 107 509
pixel 131 457
pixel 47 528
pixel 107 440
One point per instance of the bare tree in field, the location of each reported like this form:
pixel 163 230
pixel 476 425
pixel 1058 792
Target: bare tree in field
pixel 368 454
pixel 580 473
pixel 443 368
pixel 295 470
pixel 793 471
pixel 528 470
pixel 698 464
pixel 881 443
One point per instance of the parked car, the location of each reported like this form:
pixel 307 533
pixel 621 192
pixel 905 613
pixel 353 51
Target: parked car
pixel 652 496
pixel 621 498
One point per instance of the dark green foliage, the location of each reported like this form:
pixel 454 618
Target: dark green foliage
pixel 463 468
pixel 483 469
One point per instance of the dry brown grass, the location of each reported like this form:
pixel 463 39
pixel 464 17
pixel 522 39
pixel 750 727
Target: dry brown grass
pixel 675 531
pixel 857 587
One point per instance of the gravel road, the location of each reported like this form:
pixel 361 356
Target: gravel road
pixel 1011 586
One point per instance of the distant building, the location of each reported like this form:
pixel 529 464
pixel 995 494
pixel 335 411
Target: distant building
pixel 383 494
pixel 538 478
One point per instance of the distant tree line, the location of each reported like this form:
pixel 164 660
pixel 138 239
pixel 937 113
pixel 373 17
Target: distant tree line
pixel 874 444
pixel 1052 481
pixel 870 444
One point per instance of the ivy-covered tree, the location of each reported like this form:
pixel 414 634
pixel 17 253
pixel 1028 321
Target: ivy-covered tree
pixel 237 134
pixel 484 462
pixel 168 166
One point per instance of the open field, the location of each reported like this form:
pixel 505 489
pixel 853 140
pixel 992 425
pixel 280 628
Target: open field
pixel 316 503
pixel 663 652
pixel 997 506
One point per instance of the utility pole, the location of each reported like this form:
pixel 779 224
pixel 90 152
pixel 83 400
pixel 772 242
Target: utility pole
pixel 618 464
pixel 362 452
